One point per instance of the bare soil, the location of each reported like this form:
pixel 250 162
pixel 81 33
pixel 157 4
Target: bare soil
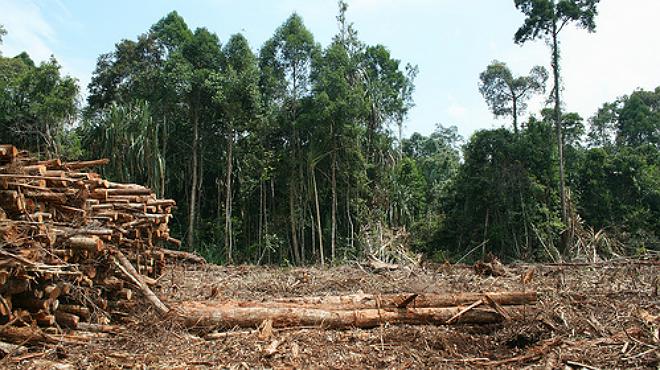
pixel 594 316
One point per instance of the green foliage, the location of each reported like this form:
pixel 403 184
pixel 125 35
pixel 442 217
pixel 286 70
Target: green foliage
pixel 620 191
pixel 290 155
pixel 543 17
pixel 38 106
pixel 639 119
pixel 128 135
pixel 506 95
pixel 501 198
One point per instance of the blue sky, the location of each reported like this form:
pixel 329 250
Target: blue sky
pixel 451 41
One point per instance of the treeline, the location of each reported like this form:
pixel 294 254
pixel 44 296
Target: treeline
pixel 294 154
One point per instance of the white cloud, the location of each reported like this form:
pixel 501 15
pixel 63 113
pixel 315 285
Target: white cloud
pixel 27 30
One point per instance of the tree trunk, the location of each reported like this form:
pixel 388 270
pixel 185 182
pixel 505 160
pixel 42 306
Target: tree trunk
pixel 333 235
pixel 318 217
pixel 163 168
pixel 190 238
pixel 558 128
pixel 198 315
pixel 515 114
pixel 397 300
pixel 350 221
pixel 228 205
pixel 292 220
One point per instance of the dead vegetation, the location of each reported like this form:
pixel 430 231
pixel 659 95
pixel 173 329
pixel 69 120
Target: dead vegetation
pixel 587 316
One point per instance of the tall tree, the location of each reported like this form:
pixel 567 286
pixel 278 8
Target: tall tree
pixel 237 96
pixel 506 95
pixel 286 61
pixel 546 19
pixel 203 55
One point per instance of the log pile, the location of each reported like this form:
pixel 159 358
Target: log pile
pixel 74 246
pixel 359 310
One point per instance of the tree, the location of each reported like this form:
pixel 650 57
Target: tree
pixel 602 126
pixel 546 19
pixel 639 119
pixel 130 136
pixel 339 106
pixel 38 106
pixel 237 96
pixel 203 56
pixel 286 61
pixel 506 95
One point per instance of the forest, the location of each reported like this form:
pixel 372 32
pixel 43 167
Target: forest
pixel 291 153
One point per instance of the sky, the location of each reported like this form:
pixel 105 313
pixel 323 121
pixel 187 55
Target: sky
pixel 450 41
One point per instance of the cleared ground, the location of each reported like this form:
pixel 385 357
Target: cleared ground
pixel 587 316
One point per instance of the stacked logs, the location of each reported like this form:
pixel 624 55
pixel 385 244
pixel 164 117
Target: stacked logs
pixel 74 246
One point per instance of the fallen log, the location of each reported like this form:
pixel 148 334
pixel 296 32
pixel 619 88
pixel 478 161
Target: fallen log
pixel 182 255
pixel 200 315
pixel 24 335
pixel 400 300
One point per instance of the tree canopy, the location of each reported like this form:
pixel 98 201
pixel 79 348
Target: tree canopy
pixel 293 152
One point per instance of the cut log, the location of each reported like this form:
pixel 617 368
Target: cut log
pixel 8 151
pixel 199 315
pixel 66 319
pixel 130 272
pixel 44 318
pixel 24 335
pixel 81 311
pixel 85 164
pixel 125 294
pixel 365 301
pixel 183 256
pixel 90 243
pixel 31 303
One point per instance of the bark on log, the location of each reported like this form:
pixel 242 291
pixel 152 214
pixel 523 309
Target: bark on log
pixel 365 301
pixel 14 286
pixel 132 274
pixel 85 164
pixel 66 319
pixel 24 335
pixel 81 311
pixel 90 243
pixel 98 328
pixel 183 256
pixel 199 315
